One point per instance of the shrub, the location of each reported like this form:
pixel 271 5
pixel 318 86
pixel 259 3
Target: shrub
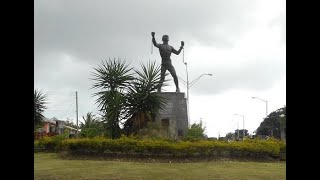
pixel 163 147
pixel 36 144
pixel 89 133
pixel 39 135
pixel 283 147
pixel 160 147
pixel 52 143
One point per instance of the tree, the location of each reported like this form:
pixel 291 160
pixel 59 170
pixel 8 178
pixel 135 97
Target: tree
pixel 196 131
pixel 143 102
pixel 40 101
pixel 230 135
pixel 89 121
pixel 91 127
pixel 113 79
pixel 125 98
pixel 273 124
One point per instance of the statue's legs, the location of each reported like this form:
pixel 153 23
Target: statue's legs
pixel 175 78
pixel 163 72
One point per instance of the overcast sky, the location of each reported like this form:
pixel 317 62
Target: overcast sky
pixel 242 43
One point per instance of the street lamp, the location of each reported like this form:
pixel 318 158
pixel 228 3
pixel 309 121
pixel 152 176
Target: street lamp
pixel 263 101
pixel 282 121
pixel 266 109
pixel 188 85
pixel 235 131
pixel 243 125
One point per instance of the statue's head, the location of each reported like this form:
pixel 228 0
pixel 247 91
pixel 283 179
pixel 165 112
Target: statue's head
pixel 165 38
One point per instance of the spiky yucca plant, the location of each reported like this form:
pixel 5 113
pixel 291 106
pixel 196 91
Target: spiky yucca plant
pixel 112 78
pixel 89 121
pixel 143 101
pixel 40 101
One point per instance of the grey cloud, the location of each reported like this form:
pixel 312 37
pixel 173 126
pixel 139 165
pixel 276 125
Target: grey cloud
pixel 95 29
pixel 258 76
pixel 280 21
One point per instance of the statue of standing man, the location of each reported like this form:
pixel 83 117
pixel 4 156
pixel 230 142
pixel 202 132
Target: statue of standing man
pixel 165 51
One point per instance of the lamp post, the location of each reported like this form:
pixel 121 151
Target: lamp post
pixel 263 101
pixel 266 109
pixel 188 85
pixel 234 130
pixel 238 129
pixel 282 122
pixel 243 125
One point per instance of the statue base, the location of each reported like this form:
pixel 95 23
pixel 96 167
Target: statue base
pixel 173 118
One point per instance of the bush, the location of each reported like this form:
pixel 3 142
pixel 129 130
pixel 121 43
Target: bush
pixel 36 144
pixel 162 147
pixel 52 143
pixel 283 147
pixel 90 133
pixel 39 135
pixel 280 143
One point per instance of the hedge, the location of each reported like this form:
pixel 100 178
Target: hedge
pixel 161 147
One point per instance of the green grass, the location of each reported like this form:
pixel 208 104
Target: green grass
pixel 50 166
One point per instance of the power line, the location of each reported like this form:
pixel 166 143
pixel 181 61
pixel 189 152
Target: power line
pixel 68 109
pixel 62 100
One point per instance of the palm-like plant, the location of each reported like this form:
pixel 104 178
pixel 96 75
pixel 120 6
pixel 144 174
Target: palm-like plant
pixel 89 121
pixel 92 126
pixel 112 75
pixel 40 101
pixel 143 102
pixel 113 78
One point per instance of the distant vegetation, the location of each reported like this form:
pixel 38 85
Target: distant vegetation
pixel 274 123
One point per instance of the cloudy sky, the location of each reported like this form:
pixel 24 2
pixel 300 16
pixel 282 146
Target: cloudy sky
pixel 242 43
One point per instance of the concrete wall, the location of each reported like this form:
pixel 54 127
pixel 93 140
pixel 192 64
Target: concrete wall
pixel 176 112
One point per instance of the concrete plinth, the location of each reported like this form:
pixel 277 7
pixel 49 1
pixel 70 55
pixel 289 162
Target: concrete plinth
pixel 174 117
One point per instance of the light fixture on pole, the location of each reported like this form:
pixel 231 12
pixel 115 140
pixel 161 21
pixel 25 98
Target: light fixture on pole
pixel 243 125
pixel 263 101
pixel 188 85
pixel 266 109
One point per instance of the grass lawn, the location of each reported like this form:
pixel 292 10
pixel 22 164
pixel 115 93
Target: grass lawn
pixel 50 166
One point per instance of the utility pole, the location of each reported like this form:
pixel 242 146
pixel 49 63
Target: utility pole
pixel 238 130
pixel 188 103
pixel 77 112
pixel 243 128
pixel 243 125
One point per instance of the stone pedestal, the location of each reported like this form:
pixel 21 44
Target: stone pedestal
pixel 174 117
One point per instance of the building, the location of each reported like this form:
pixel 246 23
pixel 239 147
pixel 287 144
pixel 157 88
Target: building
pixel 57 126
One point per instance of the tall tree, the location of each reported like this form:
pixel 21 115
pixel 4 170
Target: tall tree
pixel 113 79
pixel 40 101
pixel 273 124
pixel 89 121
pixel 143 102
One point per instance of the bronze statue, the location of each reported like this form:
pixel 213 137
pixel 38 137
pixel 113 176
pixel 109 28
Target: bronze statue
pixel 165 51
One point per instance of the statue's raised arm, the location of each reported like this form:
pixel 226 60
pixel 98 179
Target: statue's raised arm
pixel 154 40
pixel 178 52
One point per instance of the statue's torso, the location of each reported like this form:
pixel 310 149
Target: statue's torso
pixel 165 52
